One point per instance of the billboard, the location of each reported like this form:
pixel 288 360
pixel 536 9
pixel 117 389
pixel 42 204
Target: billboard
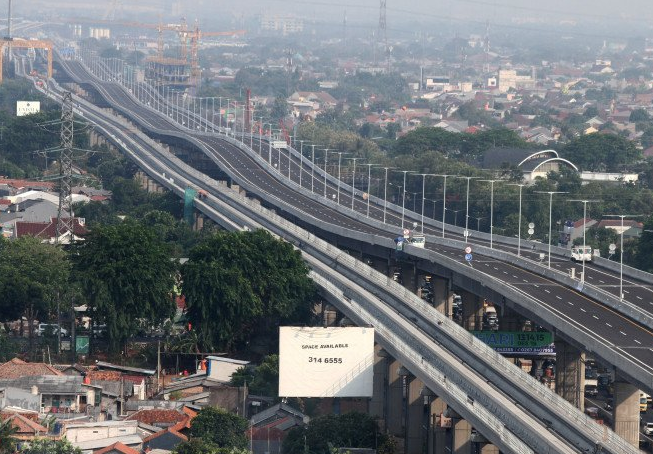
pixel 325 362
pixel 27 108
pixel 523 343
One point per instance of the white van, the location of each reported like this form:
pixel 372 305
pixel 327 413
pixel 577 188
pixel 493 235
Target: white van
pixel 578 254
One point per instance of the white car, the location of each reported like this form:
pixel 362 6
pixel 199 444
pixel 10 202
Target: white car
pixel 50 328
pixel 648 428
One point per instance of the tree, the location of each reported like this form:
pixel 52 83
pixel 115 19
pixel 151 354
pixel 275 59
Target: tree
pixel 263 381
pixel 128 276
pixel 47 446
pixel 352 430
pixel 639 116
pixel 199 446
pixel 32 276
pixel 593 151
pixel 223 429
pixel 241 283
pixel 7 439
pixel 643 257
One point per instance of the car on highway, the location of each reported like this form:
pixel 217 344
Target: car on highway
pixel 648 428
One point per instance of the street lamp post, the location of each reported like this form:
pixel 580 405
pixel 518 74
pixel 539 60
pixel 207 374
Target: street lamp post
pixel 621 250
pixel 312 166
pixel 455 222
pixel 369 179
pixel 521 185
pixel 326 158
pixel 424 175
pixel 270 145
pixel 550 215
pixel 491 208
pixel 444 200
pixel 301 161
pixel 466 233
pixel 385 192
pixel 403 198
pixel 478 222
pixel 353 182
pixel 585 202
pixel 340 153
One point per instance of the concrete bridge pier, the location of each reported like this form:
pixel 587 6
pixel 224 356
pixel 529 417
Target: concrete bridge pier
pixel 409 276
pixel 395 399
pixel 626 411
pixel 461 432
pixel 442 297
pixel 570 373
pixel 437 436
pixel 379 402
pixel 415 424
pixel 472 311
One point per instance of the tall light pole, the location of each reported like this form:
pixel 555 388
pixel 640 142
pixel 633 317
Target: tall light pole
pixel 550 215
pixel 326 158
pixel 478 222
pixel 369 179
pixel 521 185
pixel 491 207
pixel 270 145
pixel 585 202
pixel 301 161
pixel 621 250
pixel 385 192
pixel 424 175
pixel 403 198
pixel 312 166
pixel 455 222
pixel 444 199
pixel 340 153
pixel 353 182
pixel 467 207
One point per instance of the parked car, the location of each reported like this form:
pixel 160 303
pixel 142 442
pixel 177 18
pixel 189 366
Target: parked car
pixel 50 328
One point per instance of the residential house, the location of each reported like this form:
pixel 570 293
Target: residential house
pixel 167 439
pixel 310 104
pixel 47 231
pixel 17 368
pixel 26 429
pixel 269 427
pixel 620 226
pixel 117 448
pixel 92 436
pixel 161 418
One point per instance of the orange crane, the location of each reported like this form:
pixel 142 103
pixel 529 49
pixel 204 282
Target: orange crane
pixel 195 38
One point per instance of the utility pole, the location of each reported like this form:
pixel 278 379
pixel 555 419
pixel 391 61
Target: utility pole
pixel 65 218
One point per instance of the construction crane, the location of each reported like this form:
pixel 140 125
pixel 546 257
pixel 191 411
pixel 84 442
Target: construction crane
pixel 25 44
pixel 195 38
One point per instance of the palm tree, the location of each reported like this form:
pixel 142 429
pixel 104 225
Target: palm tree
pixel 7 439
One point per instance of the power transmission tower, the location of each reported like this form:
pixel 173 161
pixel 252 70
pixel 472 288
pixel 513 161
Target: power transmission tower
pixel 65 217
pixel 383 31
pixel 486 66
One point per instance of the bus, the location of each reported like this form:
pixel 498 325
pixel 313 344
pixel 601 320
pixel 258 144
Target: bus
pixel 580 254
pixel 418 241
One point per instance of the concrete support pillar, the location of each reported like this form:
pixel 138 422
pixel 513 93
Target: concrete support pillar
pixel 509 320
pixel 462 432
pixel 570 374
pixel 489 449
pixel 441 296
pixel 626 411
pixel 438 435
pixel 409 276
pixel 415 418
pixel 472 311
pixel 378 403
pixel 329 315
pixel 395 399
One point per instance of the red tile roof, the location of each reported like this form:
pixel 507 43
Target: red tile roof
pixel 26 427
pixel 168 430
pixel 16 183
pixel 106 375
pixel 17 368
pixel 158 416
pixel 45 230
pixel 117 447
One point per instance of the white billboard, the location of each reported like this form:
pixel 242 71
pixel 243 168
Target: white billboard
pixel 326 362
pixel 27 108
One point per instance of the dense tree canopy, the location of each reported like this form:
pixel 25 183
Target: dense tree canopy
pixel 221 428
pixel 32 275
pixel 7 437
pixel 601 152
pixel 127 275
pixel 351 430
pixel 263 380
pixel 237 284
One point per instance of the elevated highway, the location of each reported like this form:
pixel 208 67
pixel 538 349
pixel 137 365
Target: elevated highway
pixel 252 173
pixel 592 318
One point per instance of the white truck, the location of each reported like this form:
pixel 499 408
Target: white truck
pixel 580 253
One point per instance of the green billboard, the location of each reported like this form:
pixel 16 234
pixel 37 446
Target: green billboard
pixel 526 343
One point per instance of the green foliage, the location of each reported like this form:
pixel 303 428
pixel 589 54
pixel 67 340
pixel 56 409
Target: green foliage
pixel 351 430
pixel 7 437
pixel 643 252
pixel 32 274
pixel 199 446
pixel 601 152
pixel 223 429
pixel 238 284
pixel 127 274
pixel 263 380
pixel 639 115
pixel 47 446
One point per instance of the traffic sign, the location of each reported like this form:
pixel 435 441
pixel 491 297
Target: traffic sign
pixel 468 250
pixel 531 225
pixel 468 257
pixel 531 231
pixel 406 232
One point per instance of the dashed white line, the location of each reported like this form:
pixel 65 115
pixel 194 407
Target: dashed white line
pixel 595 317
pixel 609 325
pixel 570 303
pixel 637 342
pixel 547 290
pixel 622 333
pixel 583 309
